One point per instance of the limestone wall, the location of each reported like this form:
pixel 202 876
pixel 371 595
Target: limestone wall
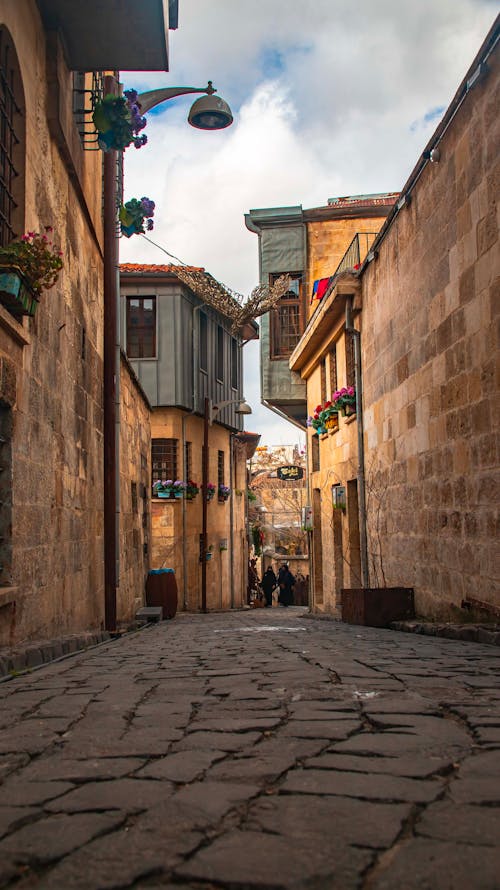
pixel 430 369
pixel 177 524
pixel 52 371
pixel 135 494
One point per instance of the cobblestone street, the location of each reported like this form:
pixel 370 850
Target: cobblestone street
pixel 254 750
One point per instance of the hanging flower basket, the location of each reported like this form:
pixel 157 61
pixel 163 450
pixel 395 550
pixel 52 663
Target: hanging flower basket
pixel 15 292
pixel 136 216
pixel 192 490
pixel 118 122
pixel 223 493
pixel 27 267
pixel 210 491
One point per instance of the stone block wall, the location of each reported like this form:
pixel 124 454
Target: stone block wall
pixel 430 368
pixel 54 579
pixel 135 494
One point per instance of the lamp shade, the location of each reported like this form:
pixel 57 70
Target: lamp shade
pixel 243 408
pixel 210 113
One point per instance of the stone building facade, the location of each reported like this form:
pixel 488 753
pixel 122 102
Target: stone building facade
pixel 51 364
pixel 183 353
pixel 425 306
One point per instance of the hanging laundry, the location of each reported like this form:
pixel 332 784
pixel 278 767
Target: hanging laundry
pixel 320 287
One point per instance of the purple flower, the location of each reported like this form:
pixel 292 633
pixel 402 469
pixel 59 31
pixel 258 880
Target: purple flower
pixel 149 225
pixel 148 206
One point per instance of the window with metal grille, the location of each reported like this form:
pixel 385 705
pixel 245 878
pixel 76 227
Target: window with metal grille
pixel 188 461
pixel 164 459
pixel 220 354
pixel 203 331
pixel 287 318
pixel 234 363
pixel 349 360
pixel 11 142
pixel 315 453
pixel 323 381
pixel 220 468
pixel 333 370
pixel 141 327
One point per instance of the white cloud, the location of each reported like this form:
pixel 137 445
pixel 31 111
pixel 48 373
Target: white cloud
pixel 330 97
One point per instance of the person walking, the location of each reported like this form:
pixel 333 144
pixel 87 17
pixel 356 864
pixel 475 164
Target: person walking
pixel 286 582
pixel 268 584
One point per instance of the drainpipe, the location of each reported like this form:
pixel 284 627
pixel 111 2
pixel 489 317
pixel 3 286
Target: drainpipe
pixel 111 515
pixel 194 408
pixel 231 519
pixel 358 380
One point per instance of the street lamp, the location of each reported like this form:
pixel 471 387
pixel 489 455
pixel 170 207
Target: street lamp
pixel 208 416
pixel 208 113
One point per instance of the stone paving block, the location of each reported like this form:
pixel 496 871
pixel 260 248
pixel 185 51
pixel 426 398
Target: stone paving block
pixel 254 859
pixel 320 729
pixel 224 741
pixel 423 864
pixel 234 724
pixel 481 763
pixel 476 790
pixel 215 799
pixel 341 820
pixel 130 795
pixel 19 792
pixel 378 787
pixel 11 762
pixel 55 836
pixel 465 825
pixel 52 769
pixel 185 766
pixel 411 767
pixel 388 744
pixel 14 817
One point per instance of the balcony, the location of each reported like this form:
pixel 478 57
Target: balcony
pixel 112 36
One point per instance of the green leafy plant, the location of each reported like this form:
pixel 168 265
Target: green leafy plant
pixel 37 257
pixel 136 216
pixel 118 121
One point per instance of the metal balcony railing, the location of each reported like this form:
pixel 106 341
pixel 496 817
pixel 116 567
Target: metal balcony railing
pixel 356 252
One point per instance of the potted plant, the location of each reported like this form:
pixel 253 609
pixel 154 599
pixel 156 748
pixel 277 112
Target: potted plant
pixel 163 489
pixel 209 491
pixel 192 490
pixel 27 267
pixel 325 418
pixel 118 121
pixel 223 492
pixel 136 216
pixel 178 488
pixel 345 399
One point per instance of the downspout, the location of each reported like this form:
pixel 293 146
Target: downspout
pixel 194 353
pixel 231 519
pixel 111 469
pixel 358 381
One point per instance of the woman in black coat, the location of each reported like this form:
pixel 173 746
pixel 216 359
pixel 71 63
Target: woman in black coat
pixel 268 584
pixel 286 581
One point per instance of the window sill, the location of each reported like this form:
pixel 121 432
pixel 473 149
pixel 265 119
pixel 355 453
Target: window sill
pixel 14 328
pixel 350 418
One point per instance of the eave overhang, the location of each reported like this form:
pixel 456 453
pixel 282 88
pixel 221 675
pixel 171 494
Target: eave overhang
pixel 325 323
pixel 119 35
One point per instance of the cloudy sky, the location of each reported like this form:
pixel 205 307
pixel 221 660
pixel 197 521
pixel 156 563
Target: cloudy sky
pixel 329 97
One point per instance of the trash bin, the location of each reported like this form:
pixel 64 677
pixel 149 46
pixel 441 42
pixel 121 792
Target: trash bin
pixel 161 590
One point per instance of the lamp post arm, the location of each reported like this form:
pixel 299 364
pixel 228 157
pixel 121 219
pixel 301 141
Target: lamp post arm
pixel 149 100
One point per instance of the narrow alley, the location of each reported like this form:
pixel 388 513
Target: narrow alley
pixel 254 750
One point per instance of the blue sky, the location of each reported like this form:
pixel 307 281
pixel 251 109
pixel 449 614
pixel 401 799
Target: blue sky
pixel 330 97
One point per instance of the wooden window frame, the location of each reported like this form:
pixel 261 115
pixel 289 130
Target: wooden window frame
pixel 142 329
pixel 203 342
pixel 278 348
pixel 220 468
pixel 333 370
pixel 164 459
pixel 219 355
pixel 350 375
pixel 235 375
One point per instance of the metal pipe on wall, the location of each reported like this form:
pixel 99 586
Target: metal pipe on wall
pixel 109 379
pixel 358 380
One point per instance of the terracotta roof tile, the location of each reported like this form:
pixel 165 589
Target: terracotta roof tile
pixel 153 268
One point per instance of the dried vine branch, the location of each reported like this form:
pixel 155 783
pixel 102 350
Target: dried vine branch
pixel 230 303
